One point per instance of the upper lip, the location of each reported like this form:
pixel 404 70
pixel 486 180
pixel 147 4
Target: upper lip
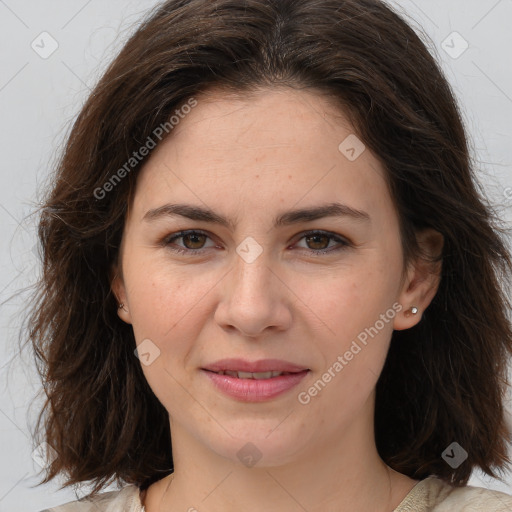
pixel 263 365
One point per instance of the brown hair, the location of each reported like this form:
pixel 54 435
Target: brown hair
pixel 443 381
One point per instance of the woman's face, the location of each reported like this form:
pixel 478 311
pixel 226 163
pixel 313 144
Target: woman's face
pixel 253 282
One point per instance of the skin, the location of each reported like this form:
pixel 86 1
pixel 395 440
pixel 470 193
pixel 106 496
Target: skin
pixel 250 160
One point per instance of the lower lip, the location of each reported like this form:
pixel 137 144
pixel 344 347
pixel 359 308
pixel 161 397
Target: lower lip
pixel 255 390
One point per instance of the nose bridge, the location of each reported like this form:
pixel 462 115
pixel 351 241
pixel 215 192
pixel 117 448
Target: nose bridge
pixel 252 279
pixel 253 299
pixel 252 261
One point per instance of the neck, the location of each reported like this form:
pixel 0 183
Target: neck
pixel 342 472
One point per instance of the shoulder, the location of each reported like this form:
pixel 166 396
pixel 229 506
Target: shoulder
pixel 124 500
pixel 469 499
pixel 435 495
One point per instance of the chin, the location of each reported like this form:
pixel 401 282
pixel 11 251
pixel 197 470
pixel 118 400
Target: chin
pixel 251 446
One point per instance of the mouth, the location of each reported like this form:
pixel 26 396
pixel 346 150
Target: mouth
pixel 253 375
pixel 255 386
pixel 258 370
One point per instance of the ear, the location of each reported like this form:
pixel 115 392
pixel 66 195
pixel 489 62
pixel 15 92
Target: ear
pixel 118 289
pixel 422 280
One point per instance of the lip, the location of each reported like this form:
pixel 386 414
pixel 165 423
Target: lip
pixel 254 390
pixel 263 365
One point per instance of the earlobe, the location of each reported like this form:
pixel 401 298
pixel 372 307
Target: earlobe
pixel 118 289
pixel 412 311
pixel 123 313
pixel 407 318
pixel 423 279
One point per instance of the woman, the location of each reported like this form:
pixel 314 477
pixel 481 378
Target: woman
pixel 270 282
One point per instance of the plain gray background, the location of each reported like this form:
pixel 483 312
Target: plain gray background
pixel 39 98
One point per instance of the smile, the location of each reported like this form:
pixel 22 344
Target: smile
pixel 249 375
pixel 254 387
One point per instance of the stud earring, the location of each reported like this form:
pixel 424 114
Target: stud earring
pixel 121 306
pixel 412 311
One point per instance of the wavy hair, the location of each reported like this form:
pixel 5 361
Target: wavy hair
pixel 444 380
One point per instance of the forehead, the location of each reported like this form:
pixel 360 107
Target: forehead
pixel 277 142
pixel 263 118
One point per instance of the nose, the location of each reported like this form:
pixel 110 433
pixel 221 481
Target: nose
pixel 254 299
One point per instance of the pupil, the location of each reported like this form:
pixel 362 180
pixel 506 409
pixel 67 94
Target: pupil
pixel 312 239
pixel 316 237
pixel 193 236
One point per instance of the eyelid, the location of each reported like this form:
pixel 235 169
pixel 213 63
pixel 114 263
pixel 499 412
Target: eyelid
pixel 168 239
pixel 342 242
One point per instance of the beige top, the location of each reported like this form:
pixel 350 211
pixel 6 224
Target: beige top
pixel 429 495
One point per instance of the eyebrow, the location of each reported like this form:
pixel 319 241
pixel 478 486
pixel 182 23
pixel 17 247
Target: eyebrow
pixel 287 218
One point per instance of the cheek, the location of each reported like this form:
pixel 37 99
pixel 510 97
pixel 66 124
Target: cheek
pixel 356 342
pixel 167 310
pixel 350 305
pixel 157 298
pixel 349 300
pixel 170 308
pixel 161 290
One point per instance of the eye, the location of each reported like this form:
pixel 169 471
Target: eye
pixel 193 241
pixel 319 242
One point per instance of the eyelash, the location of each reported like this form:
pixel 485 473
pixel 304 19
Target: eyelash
pixel 180 250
